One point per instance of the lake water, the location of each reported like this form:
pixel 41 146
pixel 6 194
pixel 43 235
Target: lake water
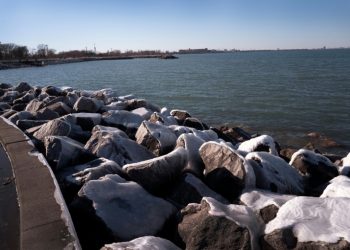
pixel 286 94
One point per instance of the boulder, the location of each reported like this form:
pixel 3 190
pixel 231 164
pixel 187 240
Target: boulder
pixel 122 119
pixel 5 86
pixel 118 210
pixel 179 130
pixel 226 171
pixel 19 106
pixel 8 113
pixel 45 114
pixel 206 135
pixel 26 124
pixel 119 105
pixel 338 187
pixel 145 113
pixel 213 225
pixel 159 174
pixel 22 115
pixel 194 123
pixel 180 115
pixel 310 223
pixel 317 168
pixel 109 130
pixel 190 189
pixel 234 134
pixel 85 120
pixel 34 105
pixel 263 143
pixel 159 139
pixel 163 119
pixel 62 151
pixel 117 148
pixel 264 203
pixel 10 96
pixel 22 87
pixel 53 91
pixel 140 103
pixel 192 144
pixel 60 107
pixel 4 106
pixel 274 174
pixel 86 104
pixel 54 127
pixel 25 99
pixel 145 243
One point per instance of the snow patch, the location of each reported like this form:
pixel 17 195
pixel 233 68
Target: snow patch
pixel 252 144
pixel 241 215
pixel 311 157
pixel 344 169
pixel 143 243
pixel 338 187
pixel 314 219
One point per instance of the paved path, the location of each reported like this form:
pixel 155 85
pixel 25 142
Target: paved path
pixel 43 222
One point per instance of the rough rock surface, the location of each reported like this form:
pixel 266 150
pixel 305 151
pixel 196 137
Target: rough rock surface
pixel 145 242
pixel 86 104
pixel 54 127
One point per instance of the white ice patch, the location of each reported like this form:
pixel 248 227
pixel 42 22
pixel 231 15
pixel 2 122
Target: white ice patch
pixel 258 199
pixel 314 219
pixel 143 243
pixel 252 144
pixel 338 187
pixel 206 135
pixel 65 215
pixel 345 167
pixel 274 169
pixel 311 157
pixel 241 215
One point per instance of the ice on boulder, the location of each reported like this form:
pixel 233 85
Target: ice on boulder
pixel 314 219
pixel 344 169
pixel 274 174
pixel 260 143
pixel 143 243
pixel 338 187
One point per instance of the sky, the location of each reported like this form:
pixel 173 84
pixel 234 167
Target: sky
pixel 175 24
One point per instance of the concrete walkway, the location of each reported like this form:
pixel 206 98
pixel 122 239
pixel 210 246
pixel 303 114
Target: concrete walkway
pixel 43 221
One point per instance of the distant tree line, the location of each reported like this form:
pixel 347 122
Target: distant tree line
pixel 11 51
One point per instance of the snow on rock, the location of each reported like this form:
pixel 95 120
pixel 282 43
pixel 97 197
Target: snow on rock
pixel 125 208
pixel 117 148
pixel 264 203
pixel 159 139
pixel 226 171
pixel 179 130
pixel 122 119
pixel 316 167
pixel 145 113
pixel 214 225
pixel 344 169
pixel 143 243
pixel 206 135
pixel 311 220
pixel 338 187
pixel 157 175
pixel 274 174
pixel 260 143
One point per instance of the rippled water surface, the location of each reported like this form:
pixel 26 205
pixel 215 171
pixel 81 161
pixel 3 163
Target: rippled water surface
pixel 284 93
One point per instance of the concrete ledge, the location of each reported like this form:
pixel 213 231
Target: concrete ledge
pixel 44 219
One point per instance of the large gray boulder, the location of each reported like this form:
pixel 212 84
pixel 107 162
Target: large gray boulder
pixel 122 119
pixel 109 130
pixel 158 175
pixel 22 87
pixel 159 139
pixel 60 107
pixel 226 171
pixel 45 114
pixel 274 174
pixel 143 243
pixel 317 168
pixel 117 148
pixel 9 96
pixel 124 208
pixel 22 115
pixel 310 223
pixel 62 151
pixel 34 105
pixel 213 225
pixel 85 120
pixel 54 127
pixel 86 104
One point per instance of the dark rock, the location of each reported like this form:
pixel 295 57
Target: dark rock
pixel 274 174
pixel 22 115
pixel 4 106
pixel 194 123
pixel 158 175
pixel 190 189
pixel 26 124
pixel 143 243
pixel 34 105
pixel 25 99
pixel 9 113
pixel 226 172
pixel 5 86
pixel 60 108
pixel 157 138
pixel 122 208
pixel 86 104
pixel 85 120
pixel 19 106
pixel 10 96
pixel 235 133
pixel 317 168
pixel 287 153
pixel 180 115
pixel 62 151
pixel 140 103
pixel 22 87
pixel 53 91
pixel 203 228
pixel 45 114
pixel 54 127
pixel 117 148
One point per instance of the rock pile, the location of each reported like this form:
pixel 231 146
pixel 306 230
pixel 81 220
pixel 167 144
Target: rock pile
pixel 138 176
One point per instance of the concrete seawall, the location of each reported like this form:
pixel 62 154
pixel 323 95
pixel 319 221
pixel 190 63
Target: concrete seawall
pixel 44 221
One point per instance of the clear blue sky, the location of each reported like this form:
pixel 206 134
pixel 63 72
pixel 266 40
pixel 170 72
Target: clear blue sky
pixel 176 24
